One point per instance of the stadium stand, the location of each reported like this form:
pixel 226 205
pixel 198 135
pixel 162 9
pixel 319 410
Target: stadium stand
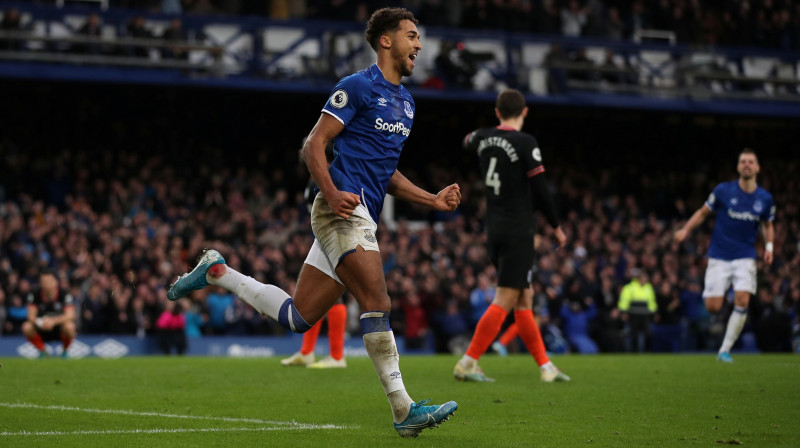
pixel 118 221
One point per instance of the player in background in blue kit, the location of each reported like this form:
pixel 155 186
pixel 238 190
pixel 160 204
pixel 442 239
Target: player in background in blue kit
pixel 368 117
pixel 740 206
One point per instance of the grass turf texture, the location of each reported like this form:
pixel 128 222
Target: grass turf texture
pixel 625 401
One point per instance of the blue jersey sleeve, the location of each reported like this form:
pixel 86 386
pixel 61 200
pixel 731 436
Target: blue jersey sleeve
pixel 348 97
pixel 769 214
pixel 715 199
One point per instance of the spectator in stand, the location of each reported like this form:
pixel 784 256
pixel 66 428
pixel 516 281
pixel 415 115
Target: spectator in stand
pixel 549 18
pixel 195 320
pixel 698 318
pixel 637 303
pixel 93 310
pixel 771 323
pixel 638 19
pixel 481 297
pixel 90 29
pixel 667 326
pixel 219 303
pixel 175 33
pixel 3 311
pixel 122 315
pixel 17 315
pixel 614 26
pixel 576 317
pixel 416 324
pixel 12 23
pixel 573 19
pixel 137 30
pixel 171 329
pixel 454 328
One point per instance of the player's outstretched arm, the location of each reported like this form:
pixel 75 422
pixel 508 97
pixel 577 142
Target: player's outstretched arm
pixel 446 200
pixel 697 218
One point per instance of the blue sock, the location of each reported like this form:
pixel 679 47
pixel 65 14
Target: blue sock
pixel 290 319
pixel 374 322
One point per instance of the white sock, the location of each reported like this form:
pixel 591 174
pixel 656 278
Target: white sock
pixel 467 361
pixel 382 350
pixel 735 325
pixel 266 299
pixel 547 366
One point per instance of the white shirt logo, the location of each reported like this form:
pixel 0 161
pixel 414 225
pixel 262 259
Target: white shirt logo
pixel 537 155
pixel 408 110
pixel 382 101
pixel 339 99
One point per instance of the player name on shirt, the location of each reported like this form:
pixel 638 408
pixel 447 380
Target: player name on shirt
pixel 501 143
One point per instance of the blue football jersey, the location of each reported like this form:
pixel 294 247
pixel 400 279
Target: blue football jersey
pixel 738 217
pixel 377 117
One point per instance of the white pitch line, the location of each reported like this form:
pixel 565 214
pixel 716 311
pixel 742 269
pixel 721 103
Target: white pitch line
pixel 150 431
pixel 290 424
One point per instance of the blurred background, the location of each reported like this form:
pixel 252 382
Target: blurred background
pixel 137 133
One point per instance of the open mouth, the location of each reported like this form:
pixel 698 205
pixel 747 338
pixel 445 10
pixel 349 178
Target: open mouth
pixel 412 56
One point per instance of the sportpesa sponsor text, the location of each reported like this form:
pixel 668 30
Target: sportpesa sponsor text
pixel 398 127
pixel 743 216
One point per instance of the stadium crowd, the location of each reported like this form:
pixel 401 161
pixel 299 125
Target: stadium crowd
pixel 766 23
pixel 118 227
pixel 761 23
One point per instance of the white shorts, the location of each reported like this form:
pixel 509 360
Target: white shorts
pixel 336 237
pixel 721 274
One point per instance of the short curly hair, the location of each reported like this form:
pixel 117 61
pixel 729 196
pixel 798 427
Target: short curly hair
pixel 385 20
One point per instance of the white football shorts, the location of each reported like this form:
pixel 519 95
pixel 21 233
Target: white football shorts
pixel 336 237
pixel 721 274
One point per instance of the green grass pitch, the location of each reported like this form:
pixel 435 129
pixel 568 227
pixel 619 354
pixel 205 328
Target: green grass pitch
pixel 612 400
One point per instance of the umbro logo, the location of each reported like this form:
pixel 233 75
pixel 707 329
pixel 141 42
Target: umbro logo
pixel 395 375
pixel 382 101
